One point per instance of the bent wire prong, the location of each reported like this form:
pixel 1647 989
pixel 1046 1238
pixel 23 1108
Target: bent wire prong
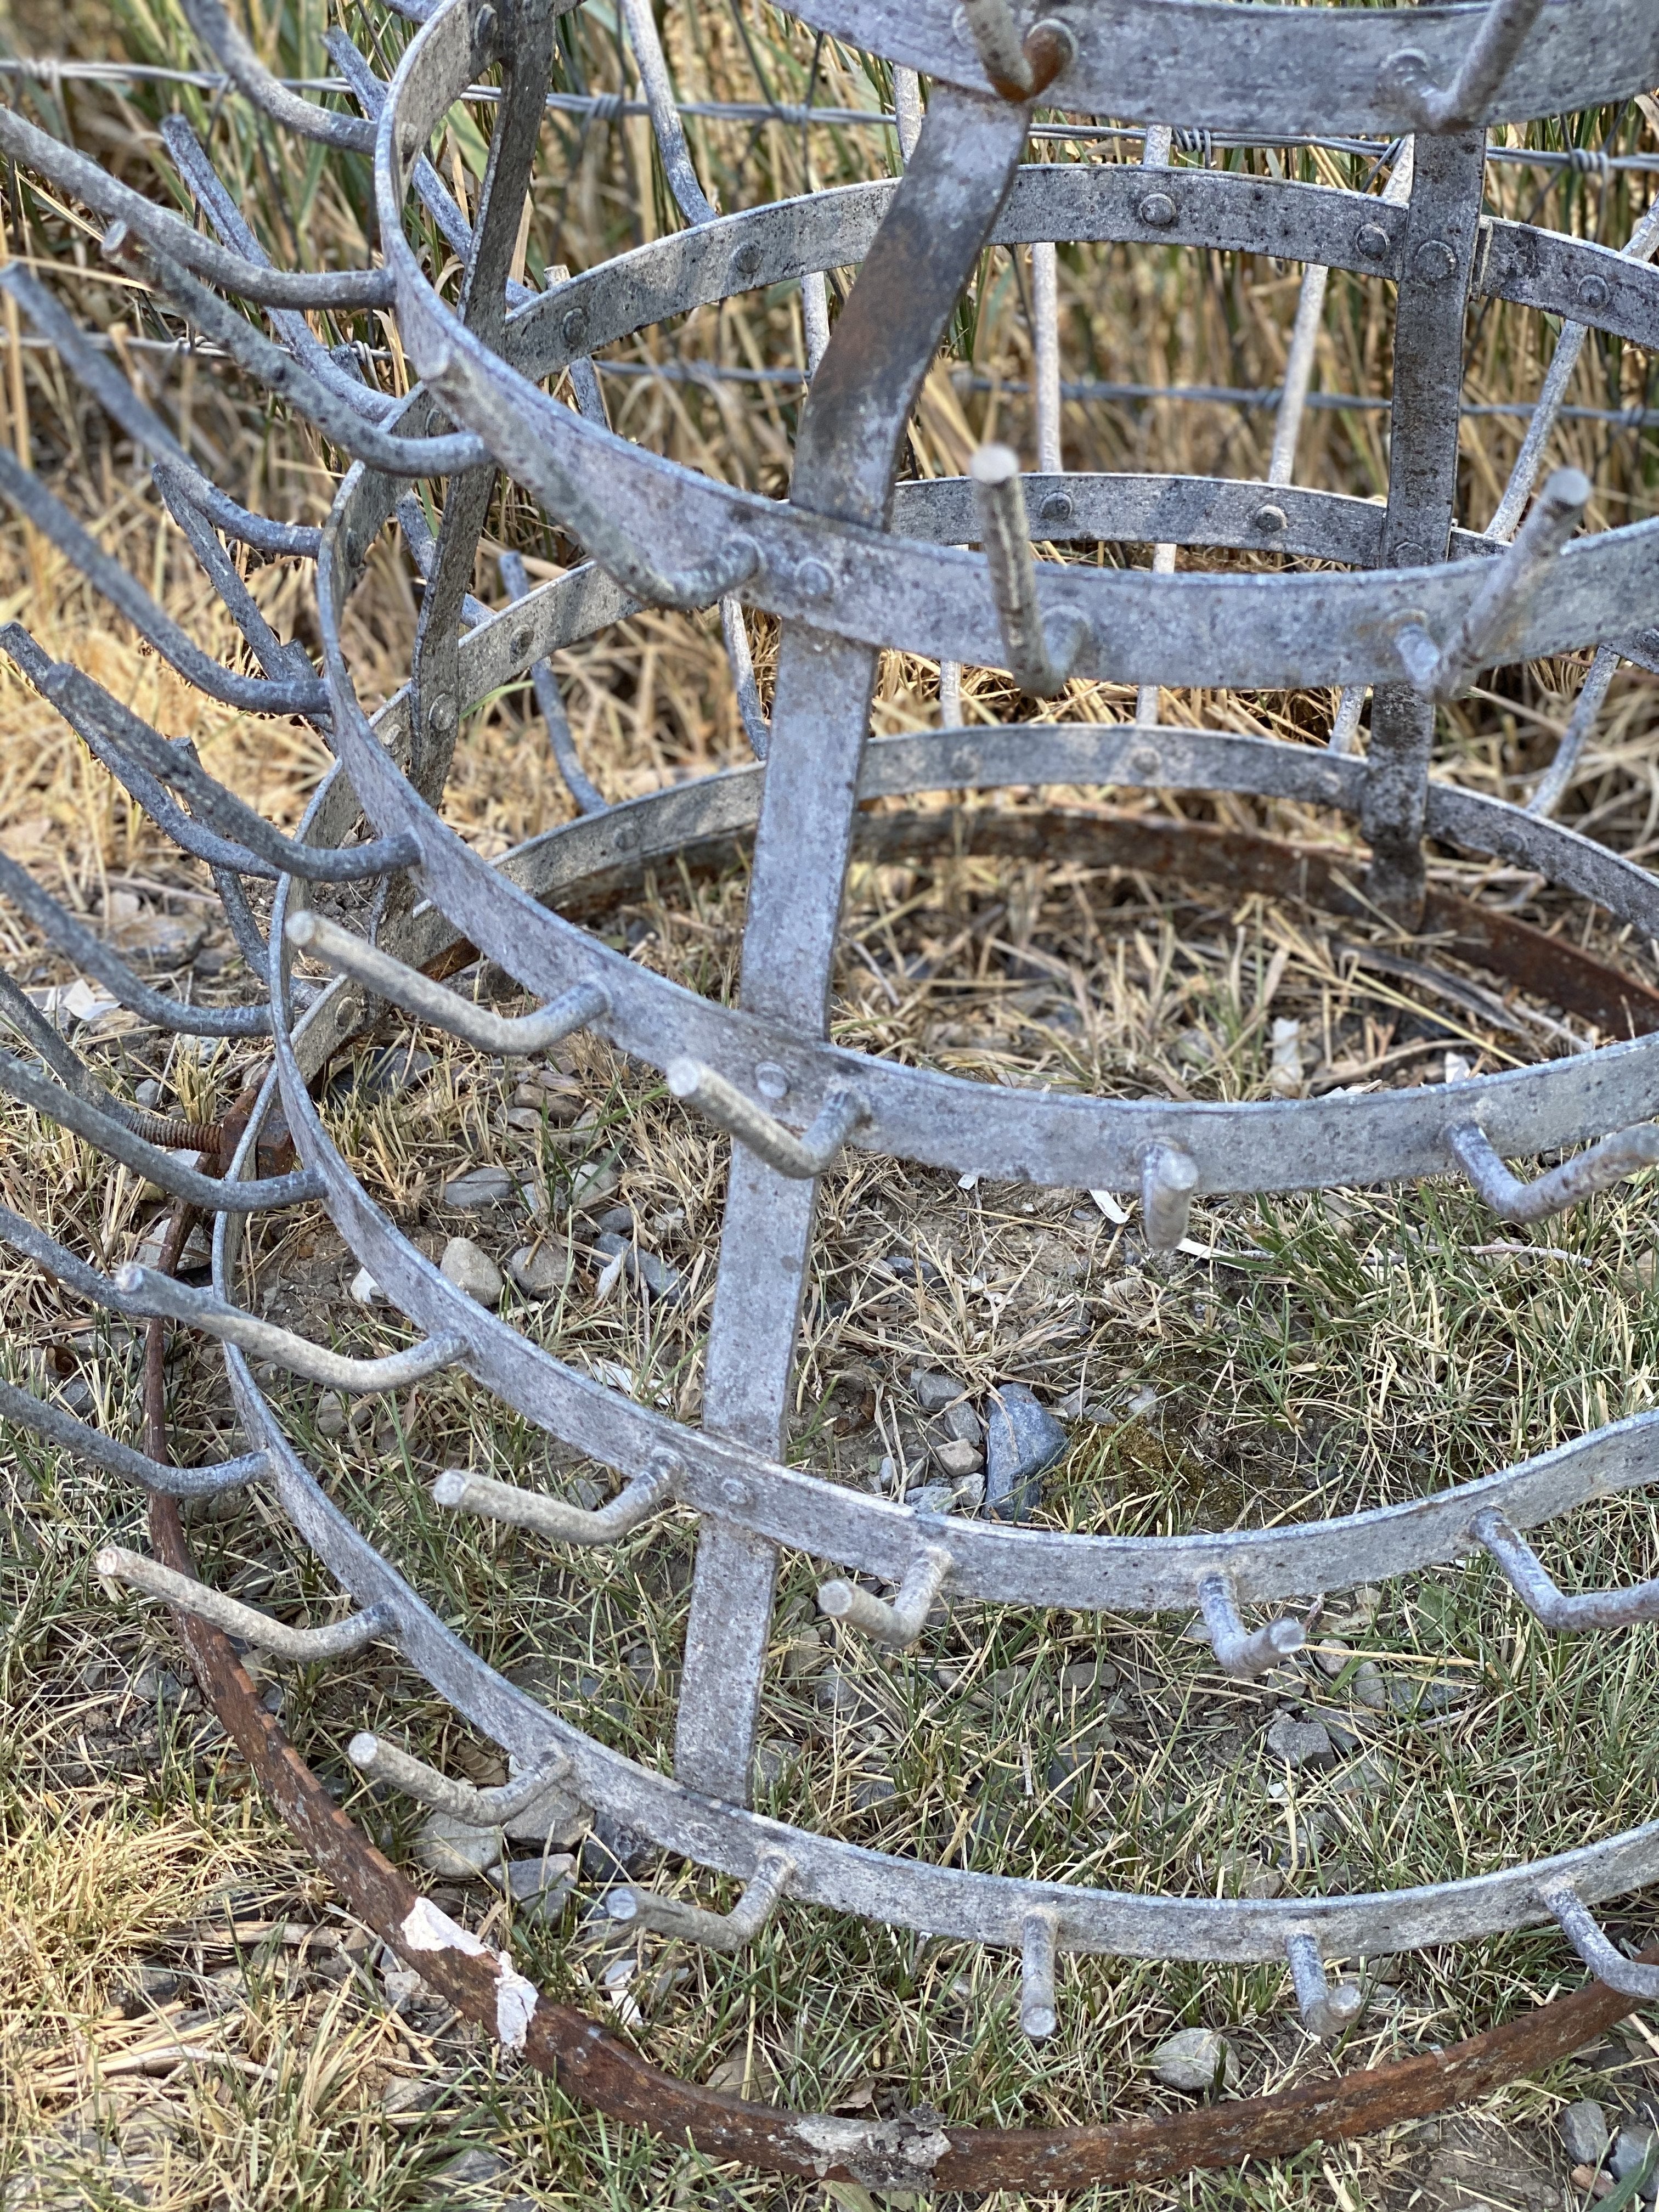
pixel 1493 616
pixel 1018 68
pixel 1039 2011
pixel 1624 1153
pixel 108 1135
pixel 153 1293
pixel 551 1516
pixel 589 799
pixel 1486 63
pixel 114 1563
pixel 1244 1652
pixel 898 1620
pixel 88 707
pixel 1327 2012
pixel 480 1809
pixel 800 1158
pixel 100 1450
pixel 1000 504
pixel 716 1931
pixel 1584 1931
pixel 1545 1599
pixel 418 995
pixel 1169 1177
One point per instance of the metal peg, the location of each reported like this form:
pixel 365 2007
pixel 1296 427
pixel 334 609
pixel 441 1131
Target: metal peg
pixel 800 1158
pixel 1039 1939
pixel 1018 68
pixel 897 1621
pixel 1325 2012
pixel 1545 1599
pixel 115 1564
pixel 1584 1931
pixel 1005 528
pixel 153 1293
pixel 479 1809
pixel 716 1931
pixel 417 995
pixel 1624 1153
pixel 1499 607
pixel 1169 1177
pixel 1243 1652
pixel 552 1516
pixel 1486 64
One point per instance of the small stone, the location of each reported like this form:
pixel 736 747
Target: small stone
pixel 1300 1743
pixel 1087 1678
pixel 472 1270
pixel 877 1790
pixel 444 1845
pixel 478 1189
pixel 541 1888
pixel 1248 1877
pixel 1632 2149
pixel 540 1269
pixel 959 1461
pixel 1195 2058
pixel 773 1760
pixel 1331 1656
pixel 932 1497
pixel 962 1423
pixel 617 1220
pixel 593 1181
pixel 409 2095
pixel 643 1269
pixel 1369 1779
pixel 1024 1440
pixel 1141 1404
pixel 933 1392
pixel 365 1290
pixel 1368 1687
pixel 470 2168
pixel 1585 2134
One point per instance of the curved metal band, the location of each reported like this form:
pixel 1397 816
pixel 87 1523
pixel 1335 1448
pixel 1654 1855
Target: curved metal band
pixel 1275 70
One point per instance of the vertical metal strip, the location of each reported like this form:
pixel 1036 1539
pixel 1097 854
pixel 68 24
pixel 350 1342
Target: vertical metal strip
pixel 855 417
pixel 434 715
pixel 1442 225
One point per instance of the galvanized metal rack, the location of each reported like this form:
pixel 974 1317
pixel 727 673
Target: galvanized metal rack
pixel 851 563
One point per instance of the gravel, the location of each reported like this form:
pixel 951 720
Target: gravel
pixel 1195 2058
pixel 472 1270
pixel 1585 2134
pixel 1024 1440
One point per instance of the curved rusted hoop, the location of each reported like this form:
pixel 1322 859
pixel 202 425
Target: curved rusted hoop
pixel 922 2149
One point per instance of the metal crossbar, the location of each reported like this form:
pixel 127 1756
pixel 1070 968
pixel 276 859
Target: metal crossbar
pixel 1405 603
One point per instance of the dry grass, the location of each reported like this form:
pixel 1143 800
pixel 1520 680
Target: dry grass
pixel 184 2009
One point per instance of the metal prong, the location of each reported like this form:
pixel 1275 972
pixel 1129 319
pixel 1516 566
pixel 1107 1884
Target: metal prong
pixel 1169 1177
pixel 1545 1599
pixel 114 1563
pixel 1325 2012
pixel 1005 528
pixel 1584 1931
pixel 479 1809
pixel 1486 60
pixel 418 995
pixel 1624 1154
pixel 1018 68
pixel 900 1621
pixel 1345 728
pixel 1038 2013
pixel 716 1931
pixel 153 1293
pixel 800 1158
pixel 1243 1652
pixel 1495 614
pixel 551 1516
